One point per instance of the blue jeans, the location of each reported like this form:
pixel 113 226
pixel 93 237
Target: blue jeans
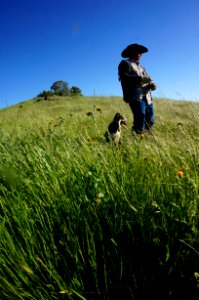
pixel 143 115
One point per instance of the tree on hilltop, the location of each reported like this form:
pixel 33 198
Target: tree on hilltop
pixel 75 91
pixel 60 88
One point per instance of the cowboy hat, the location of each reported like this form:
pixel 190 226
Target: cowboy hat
pixel 132 49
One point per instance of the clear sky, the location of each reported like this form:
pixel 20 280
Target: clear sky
pixel 80 42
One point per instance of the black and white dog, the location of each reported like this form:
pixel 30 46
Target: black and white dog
pixel 114 129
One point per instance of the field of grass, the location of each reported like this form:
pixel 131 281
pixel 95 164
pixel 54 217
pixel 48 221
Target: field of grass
pixel 82 219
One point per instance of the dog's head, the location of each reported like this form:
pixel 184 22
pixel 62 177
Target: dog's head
pixel 120 119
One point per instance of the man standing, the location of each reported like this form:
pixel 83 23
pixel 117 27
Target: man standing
pixel 137 87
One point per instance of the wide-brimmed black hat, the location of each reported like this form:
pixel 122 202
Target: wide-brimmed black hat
pixel 132 49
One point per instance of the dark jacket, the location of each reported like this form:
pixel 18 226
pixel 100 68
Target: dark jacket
pixel 132 88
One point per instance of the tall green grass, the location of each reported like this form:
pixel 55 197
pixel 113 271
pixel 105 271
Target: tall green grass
pixel 82 219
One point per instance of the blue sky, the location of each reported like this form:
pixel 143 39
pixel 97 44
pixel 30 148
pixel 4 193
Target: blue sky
pixel 80 42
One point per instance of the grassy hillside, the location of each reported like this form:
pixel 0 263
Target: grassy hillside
pixel 82 219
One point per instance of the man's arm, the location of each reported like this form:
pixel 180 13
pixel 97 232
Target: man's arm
pixel 125 73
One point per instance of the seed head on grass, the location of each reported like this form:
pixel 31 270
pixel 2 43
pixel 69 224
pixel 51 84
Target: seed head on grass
pixel 64 292
pixel 98 109
pixel 89 113
pixel 88 139
pixel 26 269
pixel 99 198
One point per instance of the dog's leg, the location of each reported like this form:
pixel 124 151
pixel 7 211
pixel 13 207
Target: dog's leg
pixel 107 136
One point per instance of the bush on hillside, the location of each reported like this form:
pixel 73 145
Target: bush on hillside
pixel 75 91
pixel 45 95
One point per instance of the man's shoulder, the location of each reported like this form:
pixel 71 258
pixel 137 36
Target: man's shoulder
pixel 124 63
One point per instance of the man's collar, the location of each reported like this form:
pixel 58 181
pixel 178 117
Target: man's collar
pixel 134 61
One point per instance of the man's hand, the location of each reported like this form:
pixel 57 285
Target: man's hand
pixel 152 86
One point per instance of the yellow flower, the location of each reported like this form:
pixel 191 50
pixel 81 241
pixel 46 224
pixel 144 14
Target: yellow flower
pixel 180 174
pixel 142 136
pixel 88 138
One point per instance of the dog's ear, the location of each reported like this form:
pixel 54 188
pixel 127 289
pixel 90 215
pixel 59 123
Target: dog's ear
pixel 117 117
